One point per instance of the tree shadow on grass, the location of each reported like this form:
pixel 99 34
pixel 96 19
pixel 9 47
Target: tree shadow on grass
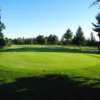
pixel 49 49
pixel 50 87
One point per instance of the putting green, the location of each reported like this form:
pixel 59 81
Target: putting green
pixel 34 60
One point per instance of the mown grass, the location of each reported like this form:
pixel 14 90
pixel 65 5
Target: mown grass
pixel 49 73
pixel 28 60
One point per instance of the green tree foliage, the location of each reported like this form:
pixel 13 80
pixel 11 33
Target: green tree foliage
pixel 40 39
pixel 28 41
pixel 21 41
pixel 97 28
pixel 92 41
pixel 8 42
pixel 2 43
pixel 52 39
pixel 79 38
pixel 2 27
pixel 67 37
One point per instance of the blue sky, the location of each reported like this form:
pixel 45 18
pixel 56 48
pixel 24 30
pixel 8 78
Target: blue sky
pixel 30 18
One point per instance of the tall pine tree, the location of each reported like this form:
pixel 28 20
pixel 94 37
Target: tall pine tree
pixel 67 37
pixel 79 38
pixel 97 28
pixel 2 27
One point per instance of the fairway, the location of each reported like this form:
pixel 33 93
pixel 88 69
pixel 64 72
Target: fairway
pixel 24 61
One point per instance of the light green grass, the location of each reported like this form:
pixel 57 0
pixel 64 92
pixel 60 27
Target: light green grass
pixel 41 60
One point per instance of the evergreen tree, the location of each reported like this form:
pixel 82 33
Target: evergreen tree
pixel 40 39
pixel 92 39
pixel 97 28
pixel 67 37
pixel 52 39
pixel 2 27
pixel 79 38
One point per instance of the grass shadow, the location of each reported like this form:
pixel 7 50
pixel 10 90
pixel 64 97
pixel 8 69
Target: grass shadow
pixel 50 87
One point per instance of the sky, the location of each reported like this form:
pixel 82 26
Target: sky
pixel 29 18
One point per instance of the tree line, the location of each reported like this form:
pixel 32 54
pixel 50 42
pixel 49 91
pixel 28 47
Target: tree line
pixel 68 38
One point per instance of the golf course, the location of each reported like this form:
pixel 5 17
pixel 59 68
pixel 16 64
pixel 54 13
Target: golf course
pixel 49 50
